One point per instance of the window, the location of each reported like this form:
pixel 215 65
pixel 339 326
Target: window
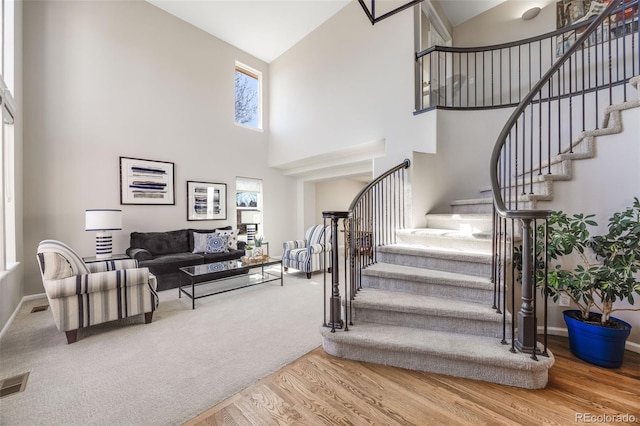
pixel 249 207
pixel 7 156
pixel 248 88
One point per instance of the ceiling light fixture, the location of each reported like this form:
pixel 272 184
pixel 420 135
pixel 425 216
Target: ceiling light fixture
pixel 530 13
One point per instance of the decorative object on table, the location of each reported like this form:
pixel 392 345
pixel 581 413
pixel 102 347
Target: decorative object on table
pixel 206 201
pixel 605 272
pixel 103 221
pixel 248 251
pixel 107 293
pixel 250 218
pixel 258 243
pixel 146 181
pixel 254 259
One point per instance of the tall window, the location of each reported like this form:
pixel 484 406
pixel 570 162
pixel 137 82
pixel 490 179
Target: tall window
pixel 249 207
pixel 248 87
pixel 7 156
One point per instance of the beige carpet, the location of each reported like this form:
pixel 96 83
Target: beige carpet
pixel 162 373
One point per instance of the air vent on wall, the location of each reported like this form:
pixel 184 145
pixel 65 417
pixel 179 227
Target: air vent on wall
pixel 39 308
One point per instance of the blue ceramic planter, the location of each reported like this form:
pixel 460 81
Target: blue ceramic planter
pixel 595 344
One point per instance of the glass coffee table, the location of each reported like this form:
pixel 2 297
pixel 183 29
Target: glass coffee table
pixel 219 277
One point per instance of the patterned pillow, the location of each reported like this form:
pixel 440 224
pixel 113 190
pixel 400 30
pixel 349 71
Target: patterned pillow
pixel 55 266
pixel 216 244
pixel 232 238
pixel 200 242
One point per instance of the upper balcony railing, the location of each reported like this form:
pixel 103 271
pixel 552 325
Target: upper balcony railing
pixel 500 75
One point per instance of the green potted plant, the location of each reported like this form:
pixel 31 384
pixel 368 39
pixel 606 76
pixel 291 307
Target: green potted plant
pixel 605 271
pixel 258 243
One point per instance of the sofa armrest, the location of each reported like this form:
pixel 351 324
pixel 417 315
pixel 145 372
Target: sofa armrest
pixel 96 282
pixel 241 245
pixel 112 265
pixel 289 245
pixel 139 254
pixel 319 248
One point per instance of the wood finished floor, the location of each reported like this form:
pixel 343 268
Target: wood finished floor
pixel 319 389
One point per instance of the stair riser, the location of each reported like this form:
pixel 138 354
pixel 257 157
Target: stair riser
pixel 478 244
pixel 459 266
pixel 439 364
pixel 543 189
pixel 484 225
pixel 485 208
pixel 478 327
pixel 456 292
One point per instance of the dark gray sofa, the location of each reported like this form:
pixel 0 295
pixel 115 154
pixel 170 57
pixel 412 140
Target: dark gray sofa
pixel 165 252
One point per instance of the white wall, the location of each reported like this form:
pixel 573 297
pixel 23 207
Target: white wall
pixel 604 185
pixel 503 24
pixel 109 79
pixel 346 84
pixel 335 195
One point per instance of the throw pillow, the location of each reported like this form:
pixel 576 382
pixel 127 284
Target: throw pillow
pixel 55 266
pixel 200 242
pixel 232 238
pixel 216 244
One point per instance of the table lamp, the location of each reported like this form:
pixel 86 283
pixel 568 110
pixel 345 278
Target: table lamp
pixel 104 221
pixel 250 218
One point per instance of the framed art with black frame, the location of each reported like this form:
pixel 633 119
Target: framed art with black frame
pixel 206 200
pixel 146 181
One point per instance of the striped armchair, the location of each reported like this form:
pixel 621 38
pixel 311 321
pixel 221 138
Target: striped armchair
pixel 308 255
pixel 81 295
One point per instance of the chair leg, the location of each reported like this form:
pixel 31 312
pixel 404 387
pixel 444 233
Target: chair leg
pixel 148 317
pixel 72 336
pixel 308 275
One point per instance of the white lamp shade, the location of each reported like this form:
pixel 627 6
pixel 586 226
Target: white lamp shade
pixel 249 217
pixel 103 220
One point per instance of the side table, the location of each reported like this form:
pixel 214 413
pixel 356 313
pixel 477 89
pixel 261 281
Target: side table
pixel 93 259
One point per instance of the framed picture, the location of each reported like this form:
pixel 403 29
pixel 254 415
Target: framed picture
pixel 146 181
pixel 206 200
pixel 246 200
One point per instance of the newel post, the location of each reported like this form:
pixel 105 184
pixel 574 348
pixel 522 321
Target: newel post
pixel 335 312
pixel 526 341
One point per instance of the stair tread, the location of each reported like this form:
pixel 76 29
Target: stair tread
pixel 487 350
pixel 391 270
pixel 446 233
pixel 479 256
pixel 421 304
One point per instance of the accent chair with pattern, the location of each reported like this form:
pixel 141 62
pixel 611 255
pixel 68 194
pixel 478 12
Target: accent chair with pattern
pixel 81 295
pixel 308 255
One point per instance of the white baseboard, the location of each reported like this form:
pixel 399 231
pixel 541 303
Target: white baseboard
pixel 17 309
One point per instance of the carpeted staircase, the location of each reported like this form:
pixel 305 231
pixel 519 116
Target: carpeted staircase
pixel 427 304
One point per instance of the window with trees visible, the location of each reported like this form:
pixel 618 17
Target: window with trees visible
pixel 7 153
pixel 248 89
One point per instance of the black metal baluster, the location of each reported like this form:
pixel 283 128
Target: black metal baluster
pixel 570 105
pixel 549 126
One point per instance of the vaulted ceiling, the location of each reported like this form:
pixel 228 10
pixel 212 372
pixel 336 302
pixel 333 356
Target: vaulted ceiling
pixel 268 28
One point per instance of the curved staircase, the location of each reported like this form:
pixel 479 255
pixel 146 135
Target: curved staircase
pixel 427 303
